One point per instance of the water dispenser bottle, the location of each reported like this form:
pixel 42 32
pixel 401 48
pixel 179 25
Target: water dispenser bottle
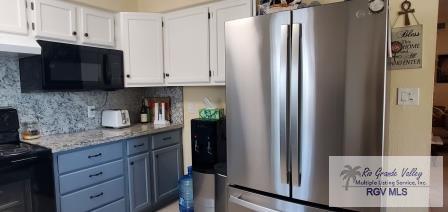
pixel 186 192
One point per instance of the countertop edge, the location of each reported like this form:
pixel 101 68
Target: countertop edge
pixel 94 142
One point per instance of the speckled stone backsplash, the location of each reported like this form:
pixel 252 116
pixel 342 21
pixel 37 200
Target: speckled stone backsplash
pixel 65 112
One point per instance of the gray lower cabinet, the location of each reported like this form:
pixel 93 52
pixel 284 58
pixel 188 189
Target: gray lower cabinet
pixel 91 178
pixel 134 175
pixel 139 182
pixel 117 206
pixel 93 197
pixel 166 171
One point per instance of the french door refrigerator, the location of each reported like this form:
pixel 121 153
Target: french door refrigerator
pixel 301 86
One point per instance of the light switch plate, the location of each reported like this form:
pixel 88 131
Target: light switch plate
pixel 408 96
pixel 91 111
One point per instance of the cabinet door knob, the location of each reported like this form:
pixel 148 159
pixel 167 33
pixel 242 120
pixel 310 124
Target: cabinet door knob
pixel 86 34
pixel 128 76
pixel 167 75
pixel 74 33
pixel 132 163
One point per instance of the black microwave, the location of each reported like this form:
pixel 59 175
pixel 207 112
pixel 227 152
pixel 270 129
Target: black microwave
pixel 72 67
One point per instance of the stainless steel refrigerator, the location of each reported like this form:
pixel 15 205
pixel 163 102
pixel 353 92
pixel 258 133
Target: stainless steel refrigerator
pixel 301 86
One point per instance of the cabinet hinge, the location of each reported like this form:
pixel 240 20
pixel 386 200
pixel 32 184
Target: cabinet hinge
pixel 26 4
pixel 209 15
pixel 210 73
pixel 163 24
pixel 32 5
pixel 32 26
pixel 163 75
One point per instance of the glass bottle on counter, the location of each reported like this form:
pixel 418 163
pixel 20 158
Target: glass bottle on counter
pixel 144 112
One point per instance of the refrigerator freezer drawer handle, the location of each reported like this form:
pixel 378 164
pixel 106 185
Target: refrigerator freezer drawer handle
pixel 249 205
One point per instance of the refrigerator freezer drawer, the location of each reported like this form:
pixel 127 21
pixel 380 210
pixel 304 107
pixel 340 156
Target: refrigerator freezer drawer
pixel 243 201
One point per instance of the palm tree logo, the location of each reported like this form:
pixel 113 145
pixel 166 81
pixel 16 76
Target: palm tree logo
pixel 350 173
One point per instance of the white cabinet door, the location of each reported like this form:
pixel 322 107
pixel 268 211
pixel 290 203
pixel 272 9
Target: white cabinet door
pixel 186 34
pixel 142 43
pixel 220 13
pixel 55 19
pixel 97 27
pixel 13 16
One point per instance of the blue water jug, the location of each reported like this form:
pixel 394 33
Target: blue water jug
pixel 186 192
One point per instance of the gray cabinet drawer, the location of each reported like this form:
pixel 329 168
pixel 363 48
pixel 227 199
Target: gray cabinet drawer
pixel 138 145
pixel 118 206
pixel 93 197
pixel 80 179
pixel 89 157
pixel 165 139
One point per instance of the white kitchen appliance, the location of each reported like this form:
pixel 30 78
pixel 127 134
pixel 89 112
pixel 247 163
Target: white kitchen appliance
pixel 115 118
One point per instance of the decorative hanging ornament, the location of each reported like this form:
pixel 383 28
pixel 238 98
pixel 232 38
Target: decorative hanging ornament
pixel 406 10
pixel 376 6
pixel 396 48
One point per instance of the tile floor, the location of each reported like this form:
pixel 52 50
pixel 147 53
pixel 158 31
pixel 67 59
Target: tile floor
pixel 173 207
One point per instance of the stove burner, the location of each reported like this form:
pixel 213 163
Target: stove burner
pixel 13 149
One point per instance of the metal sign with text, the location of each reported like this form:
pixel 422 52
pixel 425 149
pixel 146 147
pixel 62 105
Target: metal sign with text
pixel 407 47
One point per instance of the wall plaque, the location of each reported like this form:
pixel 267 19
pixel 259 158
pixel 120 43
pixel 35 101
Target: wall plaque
pixel 407 47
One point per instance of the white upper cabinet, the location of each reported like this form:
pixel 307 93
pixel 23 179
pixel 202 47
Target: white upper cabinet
pixel 54 19
pixel 186 42
pixel 58 20
pixel 13 16
pixel 220 13
pixel 142 43
pixel 97 27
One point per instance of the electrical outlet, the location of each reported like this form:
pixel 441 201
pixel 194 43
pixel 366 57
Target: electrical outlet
pixel 91 111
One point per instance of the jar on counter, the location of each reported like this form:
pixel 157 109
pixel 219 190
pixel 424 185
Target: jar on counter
pixel 30 131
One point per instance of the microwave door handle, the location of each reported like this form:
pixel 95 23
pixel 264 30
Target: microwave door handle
pixel 106 71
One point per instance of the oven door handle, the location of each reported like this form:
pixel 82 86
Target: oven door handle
pixel 24 159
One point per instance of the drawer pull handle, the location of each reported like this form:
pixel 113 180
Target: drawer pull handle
pixel 139 145
pixel 94 156
pixel 166 138
pixel 95 196
pixel 95 175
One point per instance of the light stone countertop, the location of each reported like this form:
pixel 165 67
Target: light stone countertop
pixel 70 141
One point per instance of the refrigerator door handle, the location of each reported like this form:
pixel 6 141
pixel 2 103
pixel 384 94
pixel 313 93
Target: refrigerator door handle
pixel 284 103
pixel 249 205
pixel 295 102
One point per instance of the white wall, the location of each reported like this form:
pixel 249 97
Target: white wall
pixel 410 127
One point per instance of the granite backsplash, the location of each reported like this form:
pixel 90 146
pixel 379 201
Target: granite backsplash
pixel 66 112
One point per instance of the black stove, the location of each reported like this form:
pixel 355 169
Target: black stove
pixel 11 148
pixel 26 170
